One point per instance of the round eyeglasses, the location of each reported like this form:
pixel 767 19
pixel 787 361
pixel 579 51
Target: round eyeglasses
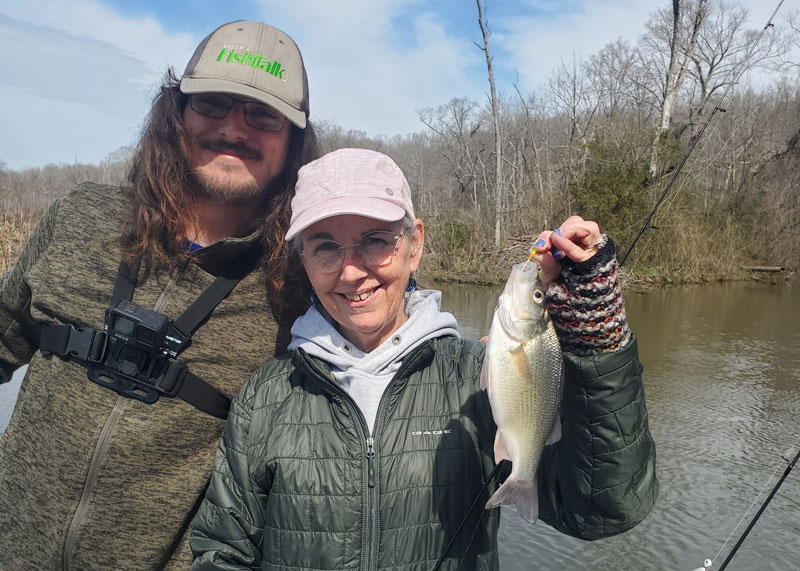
pixel 374 249
pixel 218 105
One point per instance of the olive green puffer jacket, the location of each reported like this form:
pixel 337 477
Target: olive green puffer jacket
pixel 299 484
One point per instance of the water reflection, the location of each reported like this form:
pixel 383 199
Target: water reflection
pixel 722 376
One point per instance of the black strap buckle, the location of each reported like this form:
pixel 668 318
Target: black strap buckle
pixel 68 341
pixel 171 381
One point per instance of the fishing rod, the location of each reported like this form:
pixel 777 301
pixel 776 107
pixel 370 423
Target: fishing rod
pixel 693 144
pixel 466 517
pixel 790 465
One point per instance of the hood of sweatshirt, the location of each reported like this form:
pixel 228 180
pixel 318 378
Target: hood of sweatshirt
pixel 365 376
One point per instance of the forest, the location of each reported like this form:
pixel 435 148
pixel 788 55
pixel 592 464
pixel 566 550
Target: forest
pixel 608 137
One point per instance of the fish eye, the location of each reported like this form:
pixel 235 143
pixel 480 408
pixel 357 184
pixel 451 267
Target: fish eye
pixel 538 296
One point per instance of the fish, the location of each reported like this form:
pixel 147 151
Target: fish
pixel 523 375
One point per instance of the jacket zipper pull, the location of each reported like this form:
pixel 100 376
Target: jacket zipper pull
pixel 370 456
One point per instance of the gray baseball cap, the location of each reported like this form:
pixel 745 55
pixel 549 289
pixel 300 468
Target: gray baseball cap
pixel 252 59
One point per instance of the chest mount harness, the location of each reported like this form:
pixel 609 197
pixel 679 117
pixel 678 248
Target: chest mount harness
pixel 136 353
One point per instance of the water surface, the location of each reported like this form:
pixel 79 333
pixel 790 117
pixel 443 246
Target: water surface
pixel 722 379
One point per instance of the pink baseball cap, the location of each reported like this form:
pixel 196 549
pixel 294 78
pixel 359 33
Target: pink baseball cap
pixel 349 181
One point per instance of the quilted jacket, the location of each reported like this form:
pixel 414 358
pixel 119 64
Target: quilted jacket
pixel 299 484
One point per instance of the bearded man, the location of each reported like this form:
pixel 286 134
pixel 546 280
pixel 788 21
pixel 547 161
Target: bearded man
pixel 140 311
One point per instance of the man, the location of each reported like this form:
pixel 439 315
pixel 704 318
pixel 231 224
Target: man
pixel 110 447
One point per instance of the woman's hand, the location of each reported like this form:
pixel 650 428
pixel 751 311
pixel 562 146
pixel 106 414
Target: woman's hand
pixel 576 238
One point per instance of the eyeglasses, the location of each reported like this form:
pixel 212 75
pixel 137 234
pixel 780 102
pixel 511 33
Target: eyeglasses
pixel 374 249
pixel 218 105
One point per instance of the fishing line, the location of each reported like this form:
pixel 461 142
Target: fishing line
pixel 700 133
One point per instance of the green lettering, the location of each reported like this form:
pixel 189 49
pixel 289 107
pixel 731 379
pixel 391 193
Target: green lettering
pixel 253 60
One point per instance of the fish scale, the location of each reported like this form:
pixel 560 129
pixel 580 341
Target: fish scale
pixel 522 373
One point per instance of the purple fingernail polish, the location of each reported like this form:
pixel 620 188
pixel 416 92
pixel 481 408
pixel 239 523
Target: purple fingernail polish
pixel 558 231
pixel 557 254
pixel 539 243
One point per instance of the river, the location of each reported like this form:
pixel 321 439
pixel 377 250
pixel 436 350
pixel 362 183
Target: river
pixel 722 379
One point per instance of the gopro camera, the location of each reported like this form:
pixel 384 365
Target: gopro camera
pixel 137 326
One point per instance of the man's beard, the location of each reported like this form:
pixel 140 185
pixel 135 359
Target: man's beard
pixel 221 188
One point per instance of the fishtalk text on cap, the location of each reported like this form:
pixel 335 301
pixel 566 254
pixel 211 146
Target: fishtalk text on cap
pixel 253 60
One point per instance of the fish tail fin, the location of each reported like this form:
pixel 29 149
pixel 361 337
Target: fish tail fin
pixel 523 494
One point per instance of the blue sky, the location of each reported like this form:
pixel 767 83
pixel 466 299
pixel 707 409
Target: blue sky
pixel 77 77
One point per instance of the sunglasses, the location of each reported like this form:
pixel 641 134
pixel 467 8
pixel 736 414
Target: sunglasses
pixel 218 105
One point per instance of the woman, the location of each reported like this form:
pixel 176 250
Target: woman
pixel 365 446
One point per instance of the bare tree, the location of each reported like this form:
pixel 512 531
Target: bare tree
pixel 457 124
pixel 726 49
pixel 680 54
pixel 498 201
pixel 572 94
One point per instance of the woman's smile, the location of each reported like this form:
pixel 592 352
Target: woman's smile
pixel 366 301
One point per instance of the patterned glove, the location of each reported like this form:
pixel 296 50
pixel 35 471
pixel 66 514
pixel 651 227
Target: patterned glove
pixel 585 304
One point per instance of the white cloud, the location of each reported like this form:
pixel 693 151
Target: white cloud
pixel 79 77
pixel 143 39
pixel 373 64
pixel 536 46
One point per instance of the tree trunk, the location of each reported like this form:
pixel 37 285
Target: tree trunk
pixel 675 74
pixel 498 192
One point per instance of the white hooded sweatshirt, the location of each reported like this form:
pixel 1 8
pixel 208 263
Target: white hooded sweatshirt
pixel 365 376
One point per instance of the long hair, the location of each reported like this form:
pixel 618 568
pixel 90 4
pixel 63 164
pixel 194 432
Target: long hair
pixel 285 286
pixel 159 181
pixel 162 186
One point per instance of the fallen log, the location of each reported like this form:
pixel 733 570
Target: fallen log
pixel 764 268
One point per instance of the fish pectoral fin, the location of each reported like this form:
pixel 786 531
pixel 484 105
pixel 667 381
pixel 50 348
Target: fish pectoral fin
pixel 500 451
pixel 520 360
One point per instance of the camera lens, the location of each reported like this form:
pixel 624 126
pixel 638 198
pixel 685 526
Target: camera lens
pixel 146 336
